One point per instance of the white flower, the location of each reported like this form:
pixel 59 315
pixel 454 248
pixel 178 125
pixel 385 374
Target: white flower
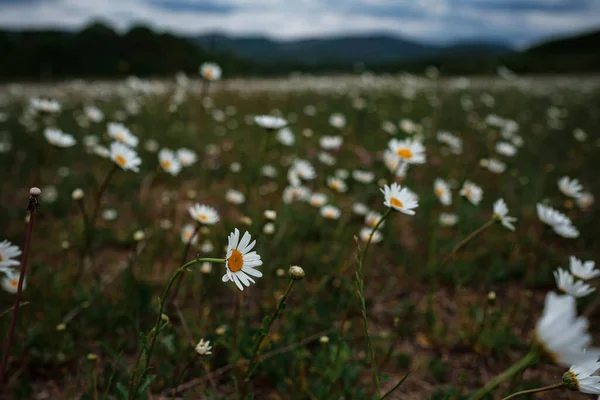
pixel 7 252
pixel 501 214
pixel 326 158
pixel 304 169
pixel 372 219
pixel 44 105
pixel 94 113
pixel 121 133
pixel 109 214
pixel 234 196
pixel 567 284
pixel 342 173
pixel 295 193
pixel 363 176
pixel 441 188
pixel 337 120
pixel 151 145
pixel 408 150
pixel 583 270
pixel 268 228
pixel 240 262
pixel 286 137
pixel 448 219
pixel 169 162
pixel 400 199
pixel 494 165
pixel 101 151
pixel 210 71
pixel 270 122
pixel 585 201
pixel 271 215
pixel 49 194
pixel 395 164
pixel 506 149
pixel 204 214
pixel 365 234
pixel 269 171
pixel 58 138
pixel 186 157
pixel 408 126
pixel 566 231
pixel 580 377
pixel 337 184
pixel 330 212
pixel 570 187
pixel 10 281
pixel 124 157
pixel 317 200
pixel 331 142
pixel 560 223
pixel 206 246
pixel 204 348
pixel 360 209
pixel 455 143
pixel 472 192
pixel 389 127
pixel 189 235
pixel 562 334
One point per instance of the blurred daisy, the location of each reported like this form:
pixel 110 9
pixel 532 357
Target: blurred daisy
pixel 49 194
pixel 561 334
pixel 501 214
pixel 566 231
pixel 295 193
pixel 317 200
pixel 10 281
pixel 206 246
pixel 204 214
pixel 331 142
pixel 44 105
pixel 581 377
pixel 121 133
pixel 583 269
pixel 304 169
pixel 400 199
pixel 506 149
pixel 271 215
pixel 493 165
pixel 337 120
pixel 124 157
pixel 330 212
pixel 101 151
pixel 8 252
pixel 169 162
pixel 570 187
pixel 472 192
pixel 189 235
pixel 336 184
pixel 372 218
pixel 389 127
pixel 234 196
pixel 567 284
pixel 186 157
pixel 270 122
pixel 240 261
pixel 326 158
pixel 342 173
pixel 408 126
pixel 441 188
pixel 269 171
pixel 286 137
pixel 408 150
pixel 395 164
pixel 365 234
pixel 560 223
pixel 109 214
pixel 360 209
pixel 58 138
pixel 268 228
pixel 94 114
pixel 210 71
pixel 585 201
pixel 448 219
pixel 454 142
pixel 151 146
pixel 363 176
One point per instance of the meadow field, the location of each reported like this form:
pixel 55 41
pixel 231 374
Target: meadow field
pixel 408 238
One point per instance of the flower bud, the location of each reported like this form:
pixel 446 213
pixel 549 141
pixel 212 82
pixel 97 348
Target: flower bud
pixel 35 191
pixel 77 194
pixel 296 272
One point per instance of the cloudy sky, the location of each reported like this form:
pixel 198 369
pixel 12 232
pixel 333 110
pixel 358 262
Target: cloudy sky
pixel 513 21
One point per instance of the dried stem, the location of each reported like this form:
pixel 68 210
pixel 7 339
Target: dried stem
pixel 543 389
pixel 466 240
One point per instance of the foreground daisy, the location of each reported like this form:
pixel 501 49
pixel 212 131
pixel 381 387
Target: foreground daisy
pixel 7 252
pixel 121 133
pixel 581 378
pixel 240 261
pixel 472 192
pixel 501 214
pixel 270 122
pixel 570 187
pixel 410 151
pixel 204 214
pixel 567 284
pixel 210 71
pixel 583 270
pixel 58 138
pixel 169 162
pixel 400 199
pixel 124 157
pixel 441 188
pixel 561 333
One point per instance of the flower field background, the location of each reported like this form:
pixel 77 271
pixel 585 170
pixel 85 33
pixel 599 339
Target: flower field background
pixel 306 183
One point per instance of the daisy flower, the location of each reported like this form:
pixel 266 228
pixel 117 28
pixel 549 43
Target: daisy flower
pixel 203 348
pixel 441 188
pixel 204 214
pixel 408 150
pixel 124 157
pixel 58 138
pixel 454 142
pixel 94 114
pixel 365 234
pixel 561 334
pixel 583 269
pixel 295 193
pixel 448 219
pixel 360 209
pixel 337 120
pixel 566 231
pixel 326 158
pixel 234 196
pixel 331 142
pixel 271 215
pixel 501 214
pixel 330 212
pixel 567 284
pixel 7 252
pixel 286 137
pixel 560 223
pixel 189 235
pixel 240 262
pixel 336 184
pixel 585 201
pixel 101 151
pixel 121 133
pixel 395 164
pixel 268 171
pixel 304 169
pixel 408 126
pixel 186 157
pixel 506 149
pixel 169 162
pixel 472 192
pixel 493 165
pixel 270 122
pixel 10 281
pixel 570 187
pixel 581 378
pixel 363 176
pixel 210 71
pixel 45 105
pixel 317 200
pixel 400 199
pixel 372 218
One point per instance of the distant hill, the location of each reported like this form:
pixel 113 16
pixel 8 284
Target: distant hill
pixel 586 43
pixel 344 49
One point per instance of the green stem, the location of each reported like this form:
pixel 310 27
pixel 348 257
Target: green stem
pixel 543 389
pixel 466 240
pixel 396 386
pixel 517 367
pixel 265 330
pixel 383 217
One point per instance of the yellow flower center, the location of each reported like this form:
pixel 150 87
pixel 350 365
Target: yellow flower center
pixel 235 262
pixel 208 74
pixel 329 214
pixel 336 185
pixel 396 203
pixel 187 236
pixel 468 192
pixel 166 164
pixel 120 137
pixel 404 153
pixel 203 217
pixel 439 192
pixel 121 160
pixel 1 258
pixel 14 283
